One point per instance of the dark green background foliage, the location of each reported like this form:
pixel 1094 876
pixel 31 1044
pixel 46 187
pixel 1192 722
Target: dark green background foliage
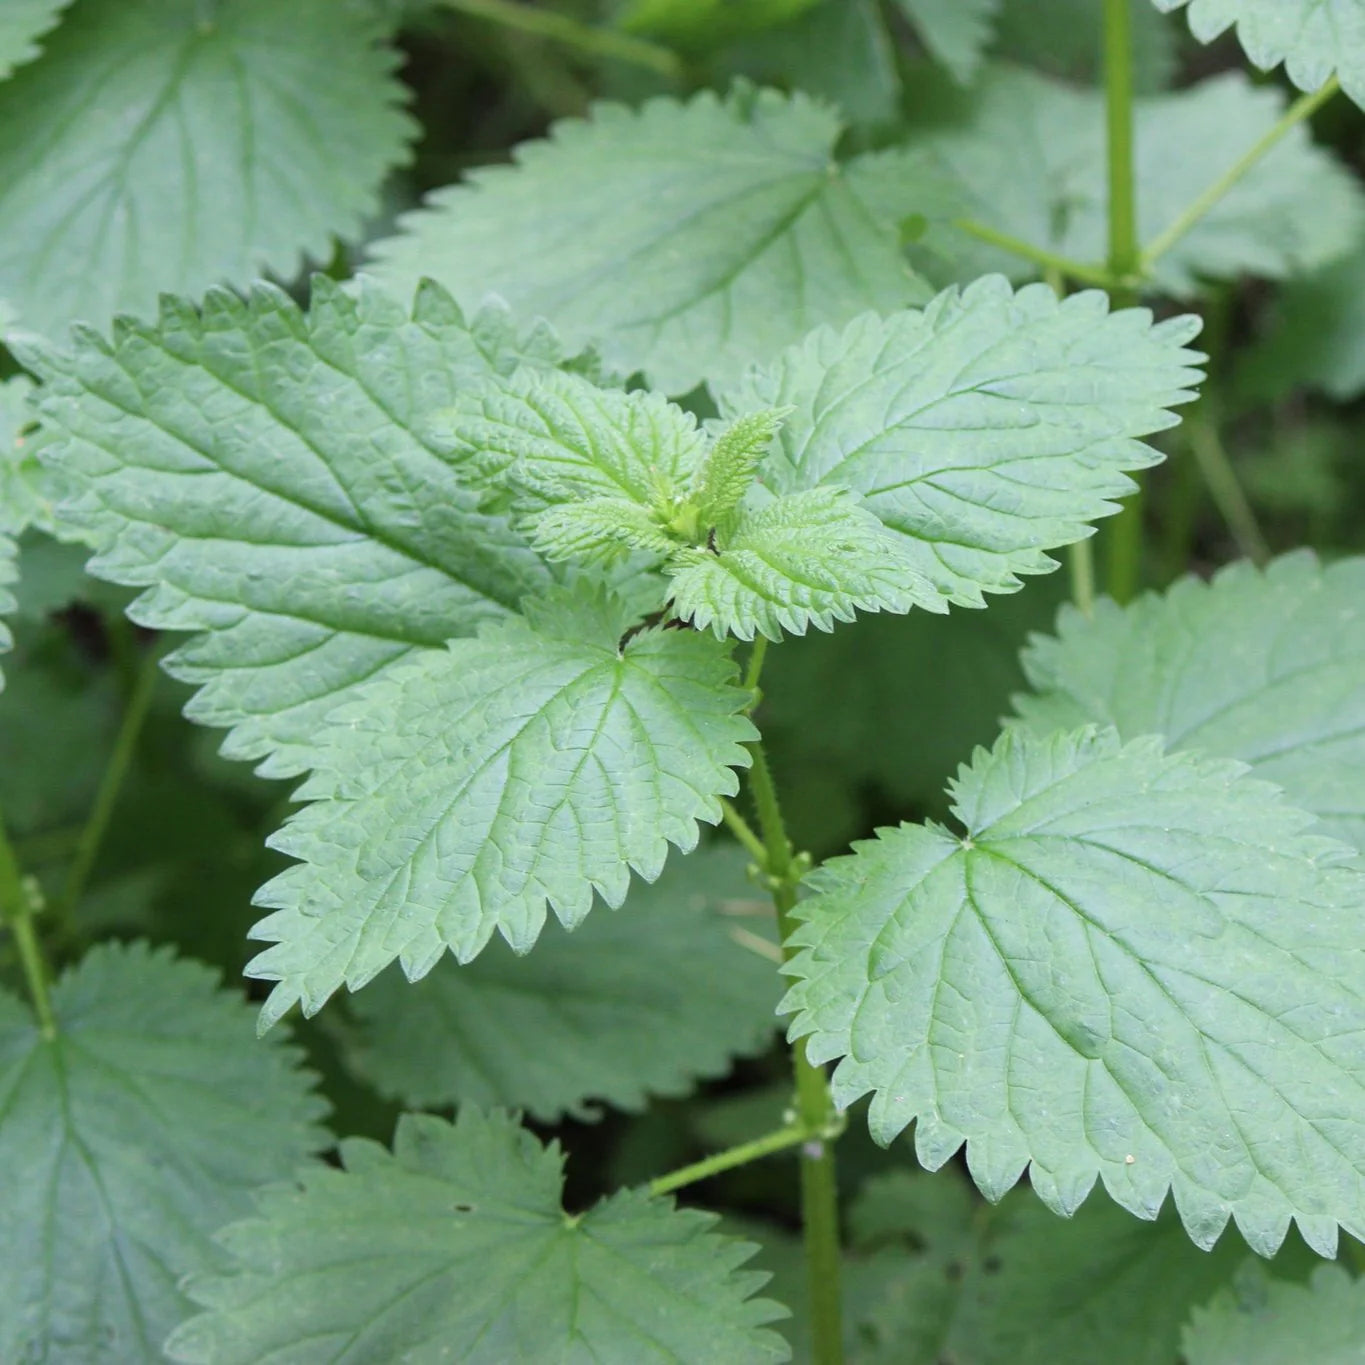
pixel 429 362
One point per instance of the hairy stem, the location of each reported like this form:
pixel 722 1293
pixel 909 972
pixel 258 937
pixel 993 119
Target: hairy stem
pixel 1048 260
pixel 1206 444
pixel 780 1140
pixel 16 909
pixel 561 28
pixel 111 782
pixel 1082 559
pixel 816 1114
pixel 743 831
pixel 1124 557
pixel 1302 108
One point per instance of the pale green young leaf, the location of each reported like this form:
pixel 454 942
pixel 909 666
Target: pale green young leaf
pixel 456 1246
pixel 729 470
pixel 808 558
pixel 127 1142
pixel 267 476
pixel 1028 157
pixel 688 240
pixel 1265 666
pixel 956 32
pixel 985 430
pixel 1065 38
pixel 551 437
pixel 245 136
pixel 541 762
pixel 599 531
pixel 22 24
pixel 1313 38
pixel 1264 1322
pixel 642 1001
pixel 1133 965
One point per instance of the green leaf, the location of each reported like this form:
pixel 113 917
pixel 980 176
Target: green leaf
pixel 986 429
pixel 1014 1285
pixel 702 24
pixel 1315 339
pixel 22 24
pixel 644 1001
pixel 128 1140
pixel 1268 1323
pixel 540 762
pixel 1132 966
pixel 1313 38
pixel 265 474
pixel 729 471
pixel 1028 157
pixel 1265 666
pixel 1065 38
pixel 813 557
pixel 686 239
pixel 245 138
pixel 956 32
pixel 456 1246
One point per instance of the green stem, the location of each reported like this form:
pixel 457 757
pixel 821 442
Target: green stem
pixel 561 28
pixel 1224 487
pixel 755 669
pixel 1124 557
pixel 1049 260
pixel 16 909
pixel 1302 108
pixel 741 829
pixel 777 1141
pixel 815 1109
pixel 1083 577
pixel 106 797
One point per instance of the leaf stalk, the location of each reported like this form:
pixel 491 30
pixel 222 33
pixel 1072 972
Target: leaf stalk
pixel 1095 275
pixel 779 1140
pixel 17 904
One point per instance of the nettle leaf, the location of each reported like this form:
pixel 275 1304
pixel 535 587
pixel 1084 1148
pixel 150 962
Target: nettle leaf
pixel 956 32
pixel 1028 157
pixel 1265 666
pixel 986 429
pixel 688 240
pixel 1133 965
pixel 22 24
pixel 123 1139
pixel 814 557
pixel 1013 1285
pixel 266 475
pixel 457 1246
pixel 539 763
pixel 1313 38
pixel 1265 1322
pixel 106 199
pixel 644 1001
pixel 1066 38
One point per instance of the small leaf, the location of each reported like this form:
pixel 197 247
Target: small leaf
pixel 1313 38
pixel 1265 666
pixel 956 32
pixel 1133 966
pixel 599 531
pixel 1027 155
pixel 456 1245
pixel 539 763
pixel 687 239
pixel 246 136
pixel 987 428
pixel 129 1140
pixel 642 1001
pixel 1265 1322
pixel 734 459
pixel 267 476
pixel 805 559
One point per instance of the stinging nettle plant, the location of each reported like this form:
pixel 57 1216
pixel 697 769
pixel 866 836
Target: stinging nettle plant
pixel 499 549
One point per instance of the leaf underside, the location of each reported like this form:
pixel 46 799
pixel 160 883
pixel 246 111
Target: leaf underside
pixel 641 1001
pixel 685 240
pixel 1265 666
pixel 123 1144
pixel 1313 38
pixel 107 198
pixel 539 763
pixel 265 473
pixel 1135 966
pixel 986 429
pixel 456 1247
